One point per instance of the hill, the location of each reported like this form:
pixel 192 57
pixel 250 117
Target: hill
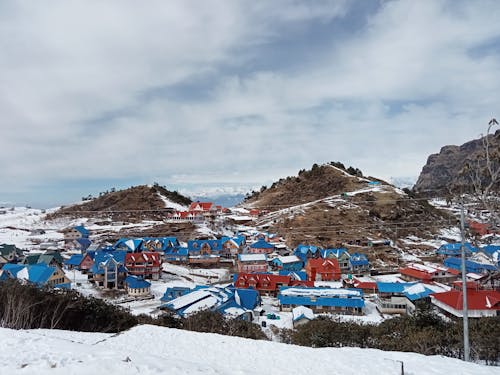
pixel 443 173
pixel 171 351
pixel 332 206
pixel 137 202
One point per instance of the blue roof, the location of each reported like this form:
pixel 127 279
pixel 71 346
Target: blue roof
pixel 261 244
pixel 385 287
pixel 75 260
pixel 40 273
pixel 470 266
pixel 84 242
pixel 490 249
pixel 413 291
pixel 303 249
pixel 135 282
pixel 248 298
pixel 455 248
pixel 103 256
pixel 335 252
pixel 358 259
pixel 195 245
pixel 333 300
pixel 80 228
pixel 13 268
pixel 174 292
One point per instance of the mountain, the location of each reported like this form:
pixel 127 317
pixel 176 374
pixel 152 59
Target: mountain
pixel 142 201
pixel 330 205
pixel 444 171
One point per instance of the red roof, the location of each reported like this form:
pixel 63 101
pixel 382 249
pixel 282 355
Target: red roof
pixel 416 274
pixel 146 256
pixel 323 265
pixel 205 206
pixel 476 299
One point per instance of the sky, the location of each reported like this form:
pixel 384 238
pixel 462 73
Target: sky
pixel 231 95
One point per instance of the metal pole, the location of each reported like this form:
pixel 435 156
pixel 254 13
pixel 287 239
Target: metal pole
pixel 464 286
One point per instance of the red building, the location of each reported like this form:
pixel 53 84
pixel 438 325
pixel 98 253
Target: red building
pixel 323 269
pixel 266 283
pixel 86 263
pixel 428 273
pixel 145 264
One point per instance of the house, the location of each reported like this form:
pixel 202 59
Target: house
pixel 72 234
pixel 455 249
pixel 480 302
pixel 174 292
pixel 266 283
pixel 176 254
pixel 230 247
pixel 400 298
pixel 252 263
pixel 321 300
pixel 305 252
pixel 202 207
pixel 145 264
pixel 358 263
pixel 137 286
pixel 38 274
pixel 470 266
pixel 131 245
pixel 342 256
pixel 74 262
pixel 287 263
pixel 108 270
pixel 323 269
pixel 204 252
pixel 428 273
pixel 51 258
pixel 223 300
pixel 87 262
pixel 366 283
pixel 301 315
pixel 261 247
pixel 10 253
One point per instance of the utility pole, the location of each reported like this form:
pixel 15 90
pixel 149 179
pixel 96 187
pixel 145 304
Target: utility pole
pixel 465 313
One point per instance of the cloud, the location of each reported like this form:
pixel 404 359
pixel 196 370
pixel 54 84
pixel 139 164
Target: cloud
pixel 233 92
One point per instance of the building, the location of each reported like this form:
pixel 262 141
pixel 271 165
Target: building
pixel 428 273
pixel 261 247
pixel 137 286
pixel 358 263
pixel 480 302
pixel 301 315
pixel 267 283
pixel 74 233
pixel 305 252
pixel 342 256
pixel 108 270
pixel 455 249
pixel 287 263
pixel 323 269
pixel 38 274
pixel 470 266
pixel 322 300
pixel 252 263
pixel 147 265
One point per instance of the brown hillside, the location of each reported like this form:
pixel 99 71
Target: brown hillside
pixel 319 182
pixel 138 202
pixel 327 207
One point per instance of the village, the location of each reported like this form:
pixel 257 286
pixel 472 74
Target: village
pixel 253 275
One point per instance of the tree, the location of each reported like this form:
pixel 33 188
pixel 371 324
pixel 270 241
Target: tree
pixel 484 173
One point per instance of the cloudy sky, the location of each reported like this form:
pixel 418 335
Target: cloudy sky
pixel 201 94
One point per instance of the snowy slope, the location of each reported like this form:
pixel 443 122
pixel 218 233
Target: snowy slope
pixel 157 350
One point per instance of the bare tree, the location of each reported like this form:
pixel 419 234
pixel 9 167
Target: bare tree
pixel 484 173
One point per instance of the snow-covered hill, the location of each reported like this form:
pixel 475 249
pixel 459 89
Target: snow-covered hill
pixel 157 350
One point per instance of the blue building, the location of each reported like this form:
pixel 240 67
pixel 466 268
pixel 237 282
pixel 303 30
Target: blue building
pixel 455 249
pixel 358 263
pixel 38 274
pixel 288 263
pixel 470 266
pixel 137 286
pixel 338 300
pixel 305 252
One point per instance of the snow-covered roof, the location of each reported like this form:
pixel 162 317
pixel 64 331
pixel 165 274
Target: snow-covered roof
pixel 252 257
pixel 320 292
pixel 300 312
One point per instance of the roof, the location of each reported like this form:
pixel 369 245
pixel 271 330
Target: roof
pixel 288 259
pixel 335 297
pixel 386 287
pixel 252 257
pixel 476 299
pixel 80 228
pixel 456 263
pixel 358 259
pixel 261 244
pixel 40 273
pixel 135 282
pixel 323 264
pixel 75 260
pixel 303 249
pixel 205 206
pixel 337 253
pixel 302 312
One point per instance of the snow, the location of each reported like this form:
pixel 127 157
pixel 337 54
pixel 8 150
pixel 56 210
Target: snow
pixel 289 259
pixel 320 292
pixel 158 350
pixel 299 311
pixel 252 257
pixel 170 204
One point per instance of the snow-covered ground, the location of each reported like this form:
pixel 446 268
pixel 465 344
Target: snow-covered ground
pixel 158 350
